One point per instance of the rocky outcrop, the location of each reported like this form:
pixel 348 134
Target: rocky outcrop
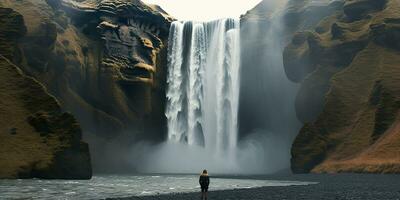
pixel 358 9
pixel 105 61
pixel 37 140
pixel 305 15
pixel 350 91
pixel 260 27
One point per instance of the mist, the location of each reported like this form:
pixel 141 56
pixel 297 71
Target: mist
pixel 266 122
pixel 267 98
pixel 253 157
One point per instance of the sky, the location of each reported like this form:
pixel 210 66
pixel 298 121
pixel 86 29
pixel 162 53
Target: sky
pixel 205 10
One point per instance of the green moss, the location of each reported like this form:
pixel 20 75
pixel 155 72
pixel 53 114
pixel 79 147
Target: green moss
pixel 358 92
pixel 386 112
pixel 36 138
pixel 356 9
pixel 308 150
pixel 11 29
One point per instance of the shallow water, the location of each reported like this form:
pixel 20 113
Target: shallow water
pixel 100 187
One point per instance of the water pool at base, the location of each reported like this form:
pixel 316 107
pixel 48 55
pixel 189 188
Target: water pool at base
pixel 100 187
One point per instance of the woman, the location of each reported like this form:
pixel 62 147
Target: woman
pixel 204 181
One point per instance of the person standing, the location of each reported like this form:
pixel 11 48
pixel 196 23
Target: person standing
pixel 204 181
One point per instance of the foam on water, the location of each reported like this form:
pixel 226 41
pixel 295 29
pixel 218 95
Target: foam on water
pixel 100 187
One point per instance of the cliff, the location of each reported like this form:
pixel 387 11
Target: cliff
pixel 104 60
pixel 266 105
pixel 37 140
pixel 347 63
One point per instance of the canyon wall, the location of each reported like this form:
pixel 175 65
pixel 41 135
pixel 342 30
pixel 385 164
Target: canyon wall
pixel 347 63
pixel 105 62
pixel 344 57
pixel 37 140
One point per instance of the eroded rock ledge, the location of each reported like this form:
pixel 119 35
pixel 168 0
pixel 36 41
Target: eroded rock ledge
pixel 104 60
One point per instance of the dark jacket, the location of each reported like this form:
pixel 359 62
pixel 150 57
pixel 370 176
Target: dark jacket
pixel 204 180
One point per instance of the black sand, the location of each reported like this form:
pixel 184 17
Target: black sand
pixel 339 186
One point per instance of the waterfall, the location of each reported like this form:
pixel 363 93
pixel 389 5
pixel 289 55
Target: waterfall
pixel 203 84
pixel 202 108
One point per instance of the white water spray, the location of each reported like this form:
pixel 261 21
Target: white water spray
pixel 203 85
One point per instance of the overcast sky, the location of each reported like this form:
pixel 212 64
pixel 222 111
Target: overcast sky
pixel 205 10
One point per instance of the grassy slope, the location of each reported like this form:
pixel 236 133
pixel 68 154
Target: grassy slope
pixel 358 129
pixel 55 65
pixel 36 138
pixel 357 148
pixel 75 68
pixel 26 147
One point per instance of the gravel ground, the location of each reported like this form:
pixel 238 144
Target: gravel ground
pixel 337 186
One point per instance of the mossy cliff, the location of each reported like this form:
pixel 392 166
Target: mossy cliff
pixel 104 60
pixel 37 140
pixel 348 66
pixel 345 57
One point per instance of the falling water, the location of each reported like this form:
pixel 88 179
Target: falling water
pixel 203 99
pixel 203 84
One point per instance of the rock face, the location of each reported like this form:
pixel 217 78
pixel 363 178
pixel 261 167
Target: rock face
pixel 104 60
pixel 37 140
pixel 348 67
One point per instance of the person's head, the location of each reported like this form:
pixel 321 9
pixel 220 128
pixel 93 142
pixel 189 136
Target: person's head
pixel 205 172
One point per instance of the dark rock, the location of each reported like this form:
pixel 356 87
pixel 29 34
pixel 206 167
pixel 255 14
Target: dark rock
pixel 347 99
pixel 297 57
pixel 92 51
pixel 387 34
pixel 11 29
pixel 104 60
pixel 39 46
pixel 311 60
pixel 48 140
pixel 356 9
pixel 300 15
pixel 308 150
pixel 13 131
pixel 336 31
pixel 387 107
